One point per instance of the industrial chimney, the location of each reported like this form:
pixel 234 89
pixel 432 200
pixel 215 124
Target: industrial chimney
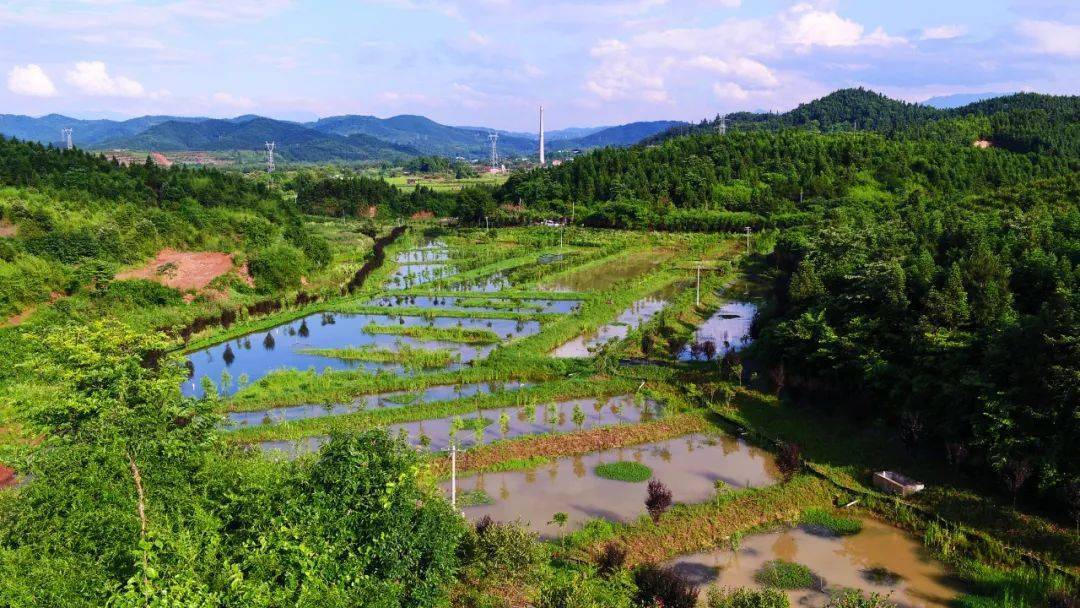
pixel 541 136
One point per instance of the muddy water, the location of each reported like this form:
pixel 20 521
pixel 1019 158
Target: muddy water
pixel 478 303
pixel 391 399
pixel 841 562
pixel 689 466
pixel 434 434
pixel 639 312
pixel 607 274
pixel 255 355
pixel 728 329
pixel 522 421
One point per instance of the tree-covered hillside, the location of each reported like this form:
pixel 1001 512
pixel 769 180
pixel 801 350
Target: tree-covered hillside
pixel 73 218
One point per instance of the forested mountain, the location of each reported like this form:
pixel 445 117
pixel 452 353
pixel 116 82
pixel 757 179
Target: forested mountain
pixel 622 135
pixel 87 133
pixel 860 109
pixel 74 218
pixel 425 135
pixel 294 141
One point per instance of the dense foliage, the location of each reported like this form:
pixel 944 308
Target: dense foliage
pixel 75 218
pixel 132 491
pixel 358 196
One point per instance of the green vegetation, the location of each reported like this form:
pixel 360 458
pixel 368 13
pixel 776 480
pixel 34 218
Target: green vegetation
pixel 746 598
pixel 781 574
pixel 441 334
pixel 632 472
pixel 410 357
pixel 821 519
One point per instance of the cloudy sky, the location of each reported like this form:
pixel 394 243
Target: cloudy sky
pixel 491 62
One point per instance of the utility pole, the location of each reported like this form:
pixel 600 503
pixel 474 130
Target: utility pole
pixel 453 476
pixel 697 299
pixel 67 138
pixel 270 156
pixel 747 240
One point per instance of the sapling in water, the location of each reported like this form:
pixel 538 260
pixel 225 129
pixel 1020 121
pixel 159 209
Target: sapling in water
pixel 579 415
pixel 552 414
pixel 504 423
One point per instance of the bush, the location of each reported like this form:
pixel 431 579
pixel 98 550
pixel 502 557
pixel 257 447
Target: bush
pixel 503 550
pixel 746 598
pixel 610 559
pixel 664 586
pixel 632 472
pixel 141 293
pixel 853 598
pixel 821 520
pixel 578 590
pixel 781 574
pixel 658 500
pixel 277 268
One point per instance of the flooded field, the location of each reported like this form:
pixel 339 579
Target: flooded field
pixel 689 466
pixel 607 274
pixel 639 312
pixel 478 303
pixel 520 421
pixel 256 355
pixel 391 399
pixel 880 559
pixel 437 433
pixel 728 329
pixel 413 274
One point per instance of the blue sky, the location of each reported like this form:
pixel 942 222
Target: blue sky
pixel 491 62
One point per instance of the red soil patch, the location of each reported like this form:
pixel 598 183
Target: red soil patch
pixel 983 143
pixel 18 319
pixel 8 229
pixel 186 269
pixel 7 476
pixel 160 160
pixel 423 215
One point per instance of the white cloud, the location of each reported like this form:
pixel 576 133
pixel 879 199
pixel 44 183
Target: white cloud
pixel 806 26
pixel 943 32
pixel 30 80
pixel 232 101
pixel 92 78
pixel 477 38
pixel 746 69
pixel 1052 37
pixel 730 91
pixel 621 75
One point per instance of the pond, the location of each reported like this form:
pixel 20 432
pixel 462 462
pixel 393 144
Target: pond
pixel 478 303
pixel 728 329
pixel 431 394
pixel 413 274
pixel 607 274
pixel 256 355
pixel 689 466
pixel 640 312
pixel 435 433
pixel 881 559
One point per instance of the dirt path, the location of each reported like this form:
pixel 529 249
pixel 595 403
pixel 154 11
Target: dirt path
pixel 186 269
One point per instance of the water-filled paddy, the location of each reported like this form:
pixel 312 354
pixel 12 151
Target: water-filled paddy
pixel 607 274
pixel 391 399
pixel 437 434
pixel 419 273
pixel 639 312
pixel 256 355
pixel 910 577
pixel 728 329
pixel 689 466
pixel 477 303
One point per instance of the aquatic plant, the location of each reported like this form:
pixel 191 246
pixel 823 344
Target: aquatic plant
pixel 628 471
pixel 782 574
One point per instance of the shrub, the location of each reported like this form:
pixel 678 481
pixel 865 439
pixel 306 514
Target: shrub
pixel 610 559
pixel 746 598
pixel 821 520
pixel 786 575
pixel 279 267
pixel 664 586
pixel 141 293
pixel 789 460
pixel 658 500
pixel 632 472
pixel 567 589
pixel 853 598
pixel 503 550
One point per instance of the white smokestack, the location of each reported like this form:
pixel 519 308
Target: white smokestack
pixel 541 136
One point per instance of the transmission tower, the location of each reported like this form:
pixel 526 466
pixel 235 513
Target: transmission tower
pixel 66 135
pixel 269 157
pixel 494 138
pixel 721 128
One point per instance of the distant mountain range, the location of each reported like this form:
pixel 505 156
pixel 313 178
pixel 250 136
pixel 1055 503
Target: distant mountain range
pixel 337 138
pixel 945 102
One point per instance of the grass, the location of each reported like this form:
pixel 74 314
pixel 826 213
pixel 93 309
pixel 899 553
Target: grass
pixel 438 334
pixel 829 522
pixel 410 357
pixel 631 472
pixel 780 574
pixel 473 498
